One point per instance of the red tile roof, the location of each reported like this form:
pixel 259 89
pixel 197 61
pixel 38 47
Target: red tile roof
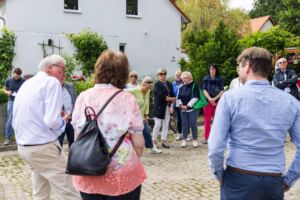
pixel 257 23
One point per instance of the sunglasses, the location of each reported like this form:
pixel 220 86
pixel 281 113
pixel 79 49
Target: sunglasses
pixel 135 76
pixel 282 62
pixel 162 74
pixel 148 83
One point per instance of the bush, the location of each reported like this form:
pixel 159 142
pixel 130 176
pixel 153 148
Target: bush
pixel 7 45
pixel 89 45
pixel 3 97
pixel 81 86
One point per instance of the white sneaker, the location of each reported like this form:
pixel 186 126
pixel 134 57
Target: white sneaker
pixel 155 150
pixel 195 143
pixel 188 139
pixel 178 137
pixel 183 144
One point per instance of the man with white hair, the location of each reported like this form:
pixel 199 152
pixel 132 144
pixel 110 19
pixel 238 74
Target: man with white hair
pixel 37 122
pixel 286 79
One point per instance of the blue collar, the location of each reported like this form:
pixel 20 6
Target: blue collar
pixel 257 82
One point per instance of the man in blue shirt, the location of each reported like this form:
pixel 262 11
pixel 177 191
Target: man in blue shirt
pixel 252 122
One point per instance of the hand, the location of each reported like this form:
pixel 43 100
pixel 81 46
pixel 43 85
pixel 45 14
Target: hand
pixel 9 93
pixel 66 117
pixel 146 118
pixel 220 182
pixel 171 110
pixel 286 188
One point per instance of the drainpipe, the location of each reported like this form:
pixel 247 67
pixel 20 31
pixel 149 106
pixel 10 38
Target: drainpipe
pixel 3 19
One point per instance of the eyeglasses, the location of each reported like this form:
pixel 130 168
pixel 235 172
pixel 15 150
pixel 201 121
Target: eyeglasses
pixel 282 62
pixel 149 83
pixel 62 67
pixel 135 76
pixel 162 74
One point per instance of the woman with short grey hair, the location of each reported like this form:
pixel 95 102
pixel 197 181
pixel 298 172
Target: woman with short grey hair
pixel 188 95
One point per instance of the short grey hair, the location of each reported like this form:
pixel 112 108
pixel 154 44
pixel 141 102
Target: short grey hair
pixel 187 74
pixel 161 70
pixel 53 59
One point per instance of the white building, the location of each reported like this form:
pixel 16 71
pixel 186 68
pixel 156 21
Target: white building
pixel 147 30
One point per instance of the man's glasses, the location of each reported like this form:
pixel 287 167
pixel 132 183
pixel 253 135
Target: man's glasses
pixel 282 62
pixel 62 67
pixel 135 76
pixel 162 74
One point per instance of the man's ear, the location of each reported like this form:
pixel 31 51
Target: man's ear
pixel 48 69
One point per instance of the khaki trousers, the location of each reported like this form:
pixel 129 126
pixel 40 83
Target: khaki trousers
pixel 48 164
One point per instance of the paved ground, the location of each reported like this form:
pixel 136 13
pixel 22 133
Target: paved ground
pixel 175 174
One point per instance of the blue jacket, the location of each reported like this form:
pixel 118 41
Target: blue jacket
pixel 213 86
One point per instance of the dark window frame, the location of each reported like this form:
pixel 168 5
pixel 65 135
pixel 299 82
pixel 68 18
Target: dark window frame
pixel 71 5
pixel 132 7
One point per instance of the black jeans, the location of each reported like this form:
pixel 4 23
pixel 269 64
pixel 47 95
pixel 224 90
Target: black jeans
pixel 69 131
pixel 134 195
pixel 178 120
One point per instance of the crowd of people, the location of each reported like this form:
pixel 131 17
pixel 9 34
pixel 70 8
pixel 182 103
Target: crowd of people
pixel 249 119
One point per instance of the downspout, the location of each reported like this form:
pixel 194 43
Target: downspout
pixel 4 21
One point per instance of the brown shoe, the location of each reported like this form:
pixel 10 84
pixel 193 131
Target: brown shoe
pixel 165 146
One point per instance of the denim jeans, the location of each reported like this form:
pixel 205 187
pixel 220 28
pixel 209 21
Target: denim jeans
pixel 189 121
pixel 69 131
pixel 237 186
pixel 178 120
pixel 147 136
pixel 9 128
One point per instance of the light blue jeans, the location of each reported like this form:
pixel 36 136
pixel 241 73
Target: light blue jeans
pixel 9 128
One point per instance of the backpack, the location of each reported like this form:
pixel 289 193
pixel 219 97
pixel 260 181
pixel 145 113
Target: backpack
pixel 89 154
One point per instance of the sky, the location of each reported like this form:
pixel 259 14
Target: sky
pixel 245 4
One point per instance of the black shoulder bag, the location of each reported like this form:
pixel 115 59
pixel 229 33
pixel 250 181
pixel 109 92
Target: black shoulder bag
pixel 89 154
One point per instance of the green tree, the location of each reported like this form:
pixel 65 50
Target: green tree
pixel 290 16
pixel 286 13
pixel 219 47
pixel 206 14
pixel 7 53
pixel 275 39
pixel 267 7
pixel 89 45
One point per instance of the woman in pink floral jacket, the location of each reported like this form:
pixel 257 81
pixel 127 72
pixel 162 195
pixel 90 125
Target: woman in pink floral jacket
pixel 125 173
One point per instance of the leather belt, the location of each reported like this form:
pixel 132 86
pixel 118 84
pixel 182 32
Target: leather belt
pixel 242 171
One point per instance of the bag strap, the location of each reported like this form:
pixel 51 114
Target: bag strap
pixel 107 102
pixel 116 147
pixel 123 136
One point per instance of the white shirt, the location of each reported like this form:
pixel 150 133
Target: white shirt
pixel 67 101
pixel 235 83
pixel 37 111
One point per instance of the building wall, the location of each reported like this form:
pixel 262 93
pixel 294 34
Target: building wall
pixel 266 26
pixel 152 39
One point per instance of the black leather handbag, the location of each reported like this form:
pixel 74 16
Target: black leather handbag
pixel 89 154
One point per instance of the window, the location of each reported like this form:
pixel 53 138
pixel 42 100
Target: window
pixel 71 4
pixel 132 7
pixel 122 47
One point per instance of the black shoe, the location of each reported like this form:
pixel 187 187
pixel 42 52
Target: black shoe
pixel 204 142
pixel 165 146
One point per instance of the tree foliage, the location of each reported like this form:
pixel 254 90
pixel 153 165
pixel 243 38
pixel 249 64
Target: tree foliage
pixel 274 40
pixel 206 14
pixel 7 53
pixel 286 13
pixel 89 45
pixel 267 7
pixel 218 47
pixel 290 16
